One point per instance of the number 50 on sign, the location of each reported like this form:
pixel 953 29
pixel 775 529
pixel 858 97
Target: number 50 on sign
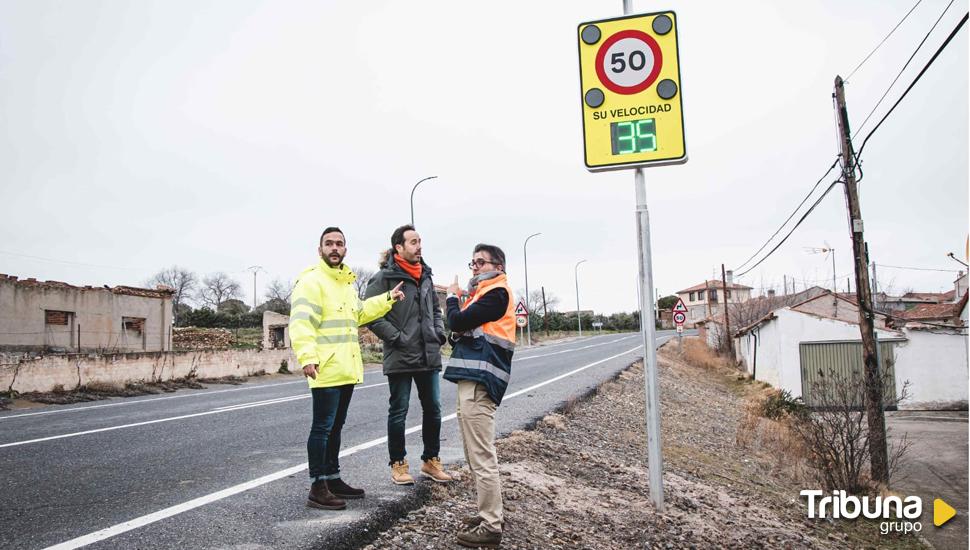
pixel 630 81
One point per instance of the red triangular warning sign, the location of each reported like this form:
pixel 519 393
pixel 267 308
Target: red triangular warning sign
pixel 680 307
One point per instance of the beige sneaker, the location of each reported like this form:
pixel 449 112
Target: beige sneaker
pixel 432 469
pixel 399 473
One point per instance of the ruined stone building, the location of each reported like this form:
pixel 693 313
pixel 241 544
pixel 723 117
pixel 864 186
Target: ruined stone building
pixel 55 317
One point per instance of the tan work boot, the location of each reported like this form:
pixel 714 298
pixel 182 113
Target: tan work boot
pixel 432 469
pixel 480 536
pixel 399 473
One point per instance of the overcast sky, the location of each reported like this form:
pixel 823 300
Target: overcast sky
pixel 219 135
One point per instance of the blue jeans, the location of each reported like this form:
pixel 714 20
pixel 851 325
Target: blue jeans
pixel 430 396
pixel 323 446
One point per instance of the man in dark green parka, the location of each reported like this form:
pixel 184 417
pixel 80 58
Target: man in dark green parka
pixel 412 336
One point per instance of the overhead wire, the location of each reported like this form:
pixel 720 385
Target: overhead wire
pixel 893 83
pixel 790 216
pixel 915 80
pixel 856 155
pixel 802 219
pixel 863 62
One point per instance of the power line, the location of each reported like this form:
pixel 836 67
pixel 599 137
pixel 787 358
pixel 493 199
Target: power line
pixel 772 251
pixel 67 261
pixel 923 41
pixel 863 62
pixel 919 268
pixel 792 215
pixel 915 80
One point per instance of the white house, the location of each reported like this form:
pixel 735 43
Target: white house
pixel 787 347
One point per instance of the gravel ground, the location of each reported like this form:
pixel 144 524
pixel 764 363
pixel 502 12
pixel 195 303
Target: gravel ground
pixel 579 478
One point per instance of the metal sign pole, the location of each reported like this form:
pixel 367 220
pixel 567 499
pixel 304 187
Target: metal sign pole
pixel 654 457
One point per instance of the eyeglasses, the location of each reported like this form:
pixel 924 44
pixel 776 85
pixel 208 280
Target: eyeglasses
pixel 479 262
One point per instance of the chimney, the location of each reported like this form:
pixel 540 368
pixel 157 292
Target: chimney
pixel 729 276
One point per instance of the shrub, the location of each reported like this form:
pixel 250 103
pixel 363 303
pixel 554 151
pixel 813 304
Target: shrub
pixel 781 403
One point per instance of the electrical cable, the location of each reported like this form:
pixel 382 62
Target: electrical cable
pixel 772 251
pixel 919 268
pixel 883 40
pixel 915 80
pixel 893 83
pixel 792 215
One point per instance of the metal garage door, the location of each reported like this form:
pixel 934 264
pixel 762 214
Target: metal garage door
pixel 818 359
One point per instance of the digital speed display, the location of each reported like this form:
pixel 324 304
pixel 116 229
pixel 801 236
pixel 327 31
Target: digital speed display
pixel 633 136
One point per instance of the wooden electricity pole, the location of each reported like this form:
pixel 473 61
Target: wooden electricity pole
pixel 727 323
pixel 879 461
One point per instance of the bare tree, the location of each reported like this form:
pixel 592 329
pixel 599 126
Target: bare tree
pixel 836 432
pixel 279 290
pixel 183 281
pixel 534 303
pixel 217 288
pixel 278 296
pixel 363 277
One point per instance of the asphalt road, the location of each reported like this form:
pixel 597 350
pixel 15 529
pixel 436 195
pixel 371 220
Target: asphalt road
pixel 935 466
pixel 226 466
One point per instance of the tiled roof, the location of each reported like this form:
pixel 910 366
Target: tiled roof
pixel 927 312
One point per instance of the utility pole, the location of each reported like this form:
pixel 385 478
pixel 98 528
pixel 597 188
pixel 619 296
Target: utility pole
pixel 545 313
pixel 256 269
pixel 727 323
pixel 879 460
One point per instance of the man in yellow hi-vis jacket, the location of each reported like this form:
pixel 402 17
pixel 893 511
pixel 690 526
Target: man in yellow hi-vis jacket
pixel 325 311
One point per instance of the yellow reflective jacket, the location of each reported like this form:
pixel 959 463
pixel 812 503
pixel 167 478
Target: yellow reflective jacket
pixel 324 314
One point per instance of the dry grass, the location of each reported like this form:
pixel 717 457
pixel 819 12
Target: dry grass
pixel 697 353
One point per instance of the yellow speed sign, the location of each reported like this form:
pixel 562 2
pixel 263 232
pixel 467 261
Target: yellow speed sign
pixel 630 82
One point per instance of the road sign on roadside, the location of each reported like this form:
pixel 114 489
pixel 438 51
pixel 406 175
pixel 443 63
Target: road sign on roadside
pixel 520 309
pixel 629 71
pixel 680 318
pixel 679 307
pixel 521 320
pixel 680 328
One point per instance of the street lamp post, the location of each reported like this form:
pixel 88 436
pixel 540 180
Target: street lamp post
pixel 412 195
pixel 525 256
pixel 579 321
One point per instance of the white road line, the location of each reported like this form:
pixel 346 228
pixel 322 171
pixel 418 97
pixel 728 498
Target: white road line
pixel 252 404
pixel 261 403
pixel 142 521
pixel 133 401
pixel 515 360
pixel 149 400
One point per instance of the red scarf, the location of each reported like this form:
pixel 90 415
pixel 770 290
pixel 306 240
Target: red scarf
pixel 413 270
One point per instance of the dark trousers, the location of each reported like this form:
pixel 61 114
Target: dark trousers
pixel 430 396
pixel 323 446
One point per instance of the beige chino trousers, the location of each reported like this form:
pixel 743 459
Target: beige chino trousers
pixel 476 420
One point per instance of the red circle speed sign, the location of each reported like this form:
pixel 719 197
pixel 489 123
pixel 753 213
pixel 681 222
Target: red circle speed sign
pixel 679 318
pixel 628 62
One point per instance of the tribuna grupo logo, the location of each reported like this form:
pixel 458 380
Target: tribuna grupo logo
pixel 898 514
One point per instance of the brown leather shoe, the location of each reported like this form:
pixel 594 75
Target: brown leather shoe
pixel 399 473
pixel 342 490
pixel 480 536
pixel 321 497
pixel 433 469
